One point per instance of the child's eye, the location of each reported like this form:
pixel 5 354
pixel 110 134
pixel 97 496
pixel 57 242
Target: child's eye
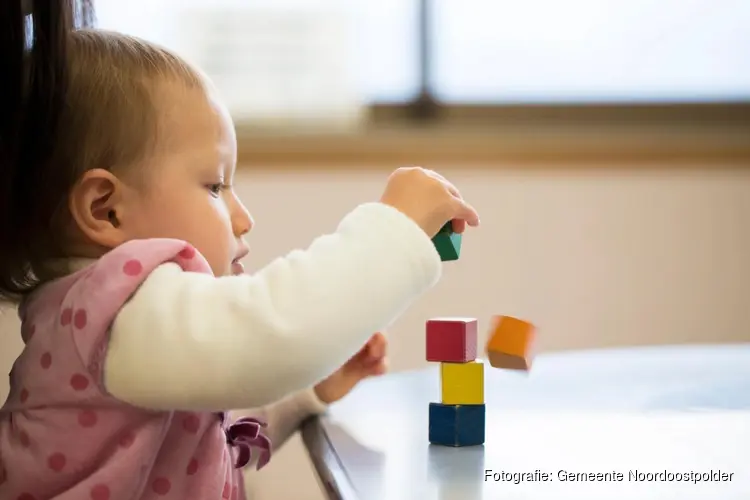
pixel 216 188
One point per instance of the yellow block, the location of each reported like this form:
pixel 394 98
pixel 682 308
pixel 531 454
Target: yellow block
pixel 462 383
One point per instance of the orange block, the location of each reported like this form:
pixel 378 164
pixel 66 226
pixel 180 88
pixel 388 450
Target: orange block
pixel 511 343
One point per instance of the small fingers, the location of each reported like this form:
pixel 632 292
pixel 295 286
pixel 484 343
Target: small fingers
pixel 458 225
pixel 376 346
pixel 467 213
pixel 464 213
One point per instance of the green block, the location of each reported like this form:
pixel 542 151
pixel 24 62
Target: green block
pixel 447 243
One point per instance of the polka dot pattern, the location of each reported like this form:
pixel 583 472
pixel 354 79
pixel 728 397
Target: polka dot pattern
pixel 100 492
pixel 187 253
pixel 57 462
pixel 132 267
pixel 80 319
pixel 62 368
pixel 161 486
pixel 45 361
pixel 127 440
pixel 79 382
pixel 192 467
pixel 87 418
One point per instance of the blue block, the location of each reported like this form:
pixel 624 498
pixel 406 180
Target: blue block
pixel 457 425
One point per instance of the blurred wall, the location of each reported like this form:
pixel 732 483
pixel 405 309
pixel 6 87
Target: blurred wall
pixel 595 258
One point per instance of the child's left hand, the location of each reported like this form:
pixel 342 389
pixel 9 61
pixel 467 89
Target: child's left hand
pixel 368 362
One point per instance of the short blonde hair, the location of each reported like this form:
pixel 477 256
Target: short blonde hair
pixel 104 116
pixel 110 117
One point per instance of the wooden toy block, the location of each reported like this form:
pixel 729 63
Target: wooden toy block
pixel 452 340
pixel 447 243
pixel 462 383
pixel 456 425
pixel 510 344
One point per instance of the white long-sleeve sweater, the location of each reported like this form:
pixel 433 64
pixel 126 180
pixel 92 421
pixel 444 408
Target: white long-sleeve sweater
pixel 191 341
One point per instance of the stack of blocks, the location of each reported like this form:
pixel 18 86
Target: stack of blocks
pixel 459 418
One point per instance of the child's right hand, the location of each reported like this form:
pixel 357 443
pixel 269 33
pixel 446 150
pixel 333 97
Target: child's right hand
pixel 428 199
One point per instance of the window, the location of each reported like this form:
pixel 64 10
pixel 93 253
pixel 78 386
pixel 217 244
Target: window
pixel 502 51
pixel 495 53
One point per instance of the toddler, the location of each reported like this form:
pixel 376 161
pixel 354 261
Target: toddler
pixel 121 240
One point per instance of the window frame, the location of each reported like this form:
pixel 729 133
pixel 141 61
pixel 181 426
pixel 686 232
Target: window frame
pixel 590 135
pixel 425 108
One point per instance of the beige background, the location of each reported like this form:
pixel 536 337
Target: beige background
pixel 594 258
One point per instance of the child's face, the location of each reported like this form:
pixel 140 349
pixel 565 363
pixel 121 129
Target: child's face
pixel 187 192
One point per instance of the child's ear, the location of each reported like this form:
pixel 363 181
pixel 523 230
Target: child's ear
pixel 95 205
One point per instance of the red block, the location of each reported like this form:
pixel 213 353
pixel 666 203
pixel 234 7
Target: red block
pixel 452 340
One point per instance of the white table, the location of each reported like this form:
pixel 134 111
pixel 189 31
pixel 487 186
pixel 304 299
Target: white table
pixel 675 409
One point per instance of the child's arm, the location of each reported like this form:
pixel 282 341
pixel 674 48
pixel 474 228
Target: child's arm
pixel 285 416
pixel 191 341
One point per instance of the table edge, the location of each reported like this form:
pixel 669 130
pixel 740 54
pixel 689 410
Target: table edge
pixel 327 464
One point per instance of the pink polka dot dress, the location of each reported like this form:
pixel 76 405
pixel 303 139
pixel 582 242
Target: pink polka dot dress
pixel 63 437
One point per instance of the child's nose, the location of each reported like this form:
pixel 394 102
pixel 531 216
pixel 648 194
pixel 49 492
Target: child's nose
pixel 242 221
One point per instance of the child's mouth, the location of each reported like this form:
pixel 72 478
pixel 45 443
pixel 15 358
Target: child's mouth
pixel 237 267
